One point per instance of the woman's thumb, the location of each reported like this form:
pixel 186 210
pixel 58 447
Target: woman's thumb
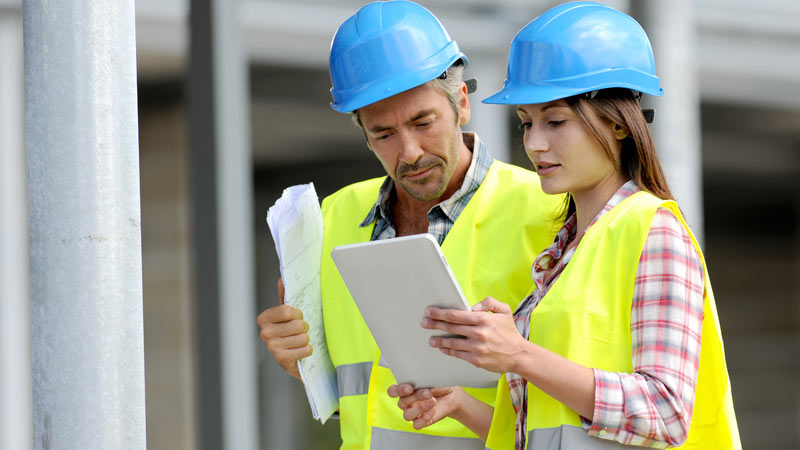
pixel 492 305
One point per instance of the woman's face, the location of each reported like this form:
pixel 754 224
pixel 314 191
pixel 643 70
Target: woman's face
pixel 567 156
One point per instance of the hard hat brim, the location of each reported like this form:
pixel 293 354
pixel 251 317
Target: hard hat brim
pixel 367 94
pixel 533 93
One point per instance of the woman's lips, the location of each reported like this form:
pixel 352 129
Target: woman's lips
pixel 544 169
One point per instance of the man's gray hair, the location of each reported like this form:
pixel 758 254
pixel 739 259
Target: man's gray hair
pixel 447 83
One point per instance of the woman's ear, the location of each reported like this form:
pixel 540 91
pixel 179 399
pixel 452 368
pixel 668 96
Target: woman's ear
pixel 619 132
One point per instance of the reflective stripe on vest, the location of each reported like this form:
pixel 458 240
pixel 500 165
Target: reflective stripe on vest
pixel 567 436
pixel 483 259
pixel 353 378
pixel 592 298
pixel 383 439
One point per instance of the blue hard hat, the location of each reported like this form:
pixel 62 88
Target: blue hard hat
pixel 575 48
pixel 386 48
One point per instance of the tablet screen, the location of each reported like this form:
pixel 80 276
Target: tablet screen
pixel 392 281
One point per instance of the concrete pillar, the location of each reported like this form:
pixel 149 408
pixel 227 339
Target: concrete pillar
pixel 671 26
pixel 490 121
pixel 85 237
pixel 16 425
pixel 222 198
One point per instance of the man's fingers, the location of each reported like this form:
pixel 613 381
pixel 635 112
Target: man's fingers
pixel 417 409
pixel 294 341
pixel 442 391
pixel 420 395
pixel 289 357
pixel 277 346
pixel 428 417
pixel 281 289
pixel 284 330
pixel 277 314
pixel 400 390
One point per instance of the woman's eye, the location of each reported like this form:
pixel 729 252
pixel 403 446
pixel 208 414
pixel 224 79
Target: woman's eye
pixel 524 125
pixel 556 123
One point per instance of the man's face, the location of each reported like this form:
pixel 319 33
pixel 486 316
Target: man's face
pixel 417 137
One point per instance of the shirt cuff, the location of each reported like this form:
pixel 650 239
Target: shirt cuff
pixel 608 406
pixel 612 419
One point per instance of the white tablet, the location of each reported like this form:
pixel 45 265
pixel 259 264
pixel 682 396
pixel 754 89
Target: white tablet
pixel 392 282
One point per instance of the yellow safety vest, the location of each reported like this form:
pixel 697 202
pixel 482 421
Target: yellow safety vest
pixel 585 317
pixel 490 249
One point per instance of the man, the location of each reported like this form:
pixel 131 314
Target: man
pixel 395 69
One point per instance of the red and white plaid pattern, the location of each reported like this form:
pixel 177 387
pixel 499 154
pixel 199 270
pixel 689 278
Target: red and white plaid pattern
pixel 653 405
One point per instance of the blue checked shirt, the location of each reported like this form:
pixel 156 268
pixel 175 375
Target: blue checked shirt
pixel 442 216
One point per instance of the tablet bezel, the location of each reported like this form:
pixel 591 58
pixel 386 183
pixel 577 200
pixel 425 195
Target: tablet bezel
pixel 392 281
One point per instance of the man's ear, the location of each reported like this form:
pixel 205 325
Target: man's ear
pixel 619 131
pixel 463 103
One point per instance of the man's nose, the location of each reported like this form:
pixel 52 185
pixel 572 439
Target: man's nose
pixel 410 150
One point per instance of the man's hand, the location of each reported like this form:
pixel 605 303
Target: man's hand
pixel 424 407
pixel 285 333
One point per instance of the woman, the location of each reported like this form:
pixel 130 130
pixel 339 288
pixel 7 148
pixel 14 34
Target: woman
pixel 619 344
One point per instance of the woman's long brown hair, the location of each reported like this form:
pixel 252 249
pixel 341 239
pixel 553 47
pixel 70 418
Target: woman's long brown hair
pixel 638 158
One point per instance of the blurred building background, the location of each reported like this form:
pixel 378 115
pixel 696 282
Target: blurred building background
pixel 743 66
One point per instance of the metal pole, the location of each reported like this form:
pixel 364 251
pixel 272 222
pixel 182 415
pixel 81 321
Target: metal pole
pixel 671 26
pixel 222 191
pixel 16 424
pixel 85 227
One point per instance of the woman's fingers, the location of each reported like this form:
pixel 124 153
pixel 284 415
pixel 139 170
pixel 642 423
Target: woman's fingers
pixel 492 305
pixel 463 322
pixel 452 315
pixel 451 343
pixel 448 327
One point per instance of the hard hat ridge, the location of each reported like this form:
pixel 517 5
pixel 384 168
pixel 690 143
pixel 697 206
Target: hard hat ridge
pixel 574 48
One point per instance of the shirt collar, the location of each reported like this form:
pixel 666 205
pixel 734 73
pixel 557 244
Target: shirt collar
pixel 478 168
pixel 625 191
pixel 567 233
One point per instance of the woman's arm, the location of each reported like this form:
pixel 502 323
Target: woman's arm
pixel 492 342
pixel 655 403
